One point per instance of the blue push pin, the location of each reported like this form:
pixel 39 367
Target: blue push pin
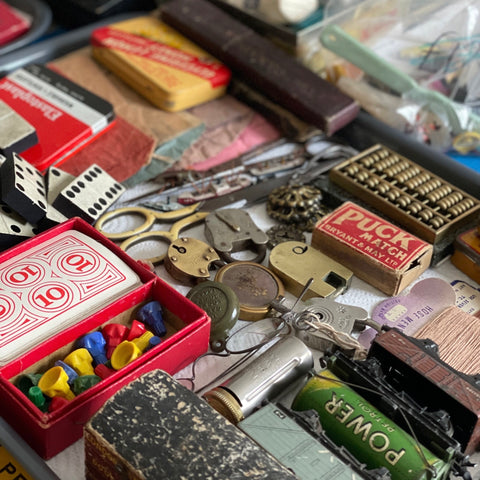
pixel 151 315
pixel 72 374
pixel 153 342
pixel 96 345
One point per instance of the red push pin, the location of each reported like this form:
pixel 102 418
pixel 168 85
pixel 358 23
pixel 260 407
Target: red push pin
pixel 56 404
pixel 114 333
pixel 137 329
pixel 103 371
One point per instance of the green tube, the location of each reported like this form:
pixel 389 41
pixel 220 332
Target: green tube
pixel 352 422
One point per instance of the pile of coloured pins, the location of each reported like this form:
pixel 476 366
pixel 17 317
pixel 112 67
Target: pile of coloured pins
pixel 97 355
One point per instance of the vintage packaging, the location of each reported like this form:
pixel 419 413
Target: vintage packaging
pixel 170 432
pixel 159 63
pixel 187 337
pixel 65 115
pixel 377 251
pixel 466 256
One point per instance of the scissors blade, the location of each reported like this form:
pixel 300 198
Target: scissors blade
pixel 259 191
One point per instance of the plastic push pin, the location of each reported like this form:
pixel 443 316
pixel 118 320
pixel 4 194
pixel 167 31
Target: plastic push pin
pixel 142 341
pixel 37 397
pixel 27 381
pixel 151 315
pixel 124 353
pixel 153 342
pixel 136 330
pixel 81 361
pixel 96 344
pixel 103 371
pixel 84 383
pixel 114 333
pixel 56 404
pixel 72 374
pixel 54 383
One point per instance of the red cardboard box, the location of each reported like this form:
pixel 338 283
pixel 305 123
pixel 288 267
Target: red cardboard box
pixel 377 251
pixel 188 329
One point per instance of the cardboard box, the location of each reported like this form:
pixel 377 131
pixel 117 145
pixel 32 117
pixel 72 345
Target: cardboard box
pixel 188 329
pixel 172 433
pixel 377 251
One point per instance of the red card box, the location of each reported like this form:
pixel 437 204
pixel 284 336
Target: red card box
pixel 188 335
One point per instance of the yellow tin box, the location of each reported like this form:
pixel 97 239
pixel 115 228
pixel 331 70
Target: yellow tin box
pixel 166 68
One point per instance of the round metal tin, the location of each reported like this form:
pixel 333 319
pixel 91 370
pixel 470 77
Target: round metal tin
pixel 255 285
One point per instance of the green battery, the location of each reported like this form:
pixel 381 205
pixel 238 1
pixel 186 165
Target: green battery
pixel 352 422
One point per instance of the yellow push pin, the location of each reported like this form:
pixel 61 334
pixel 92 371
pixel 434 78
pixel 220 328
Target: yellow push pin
pixel 81 361
pixel 142 341
pixel 124 353
pixel 54 383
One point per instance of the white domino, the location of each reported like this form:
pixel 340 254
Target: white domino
pixel 89 195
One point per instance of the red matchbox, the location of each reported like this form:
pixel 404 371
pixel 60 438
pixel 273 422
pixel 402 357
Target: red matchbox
pixel 377 251
pixel 188 330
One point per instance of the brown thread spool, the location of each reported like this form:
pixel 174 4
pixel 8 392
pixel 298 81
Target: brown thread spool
pixel 457 335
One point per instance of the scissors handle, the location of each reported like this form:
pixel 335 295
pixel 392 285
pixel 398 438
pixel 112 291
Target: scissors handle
pixel 167 236
pixel 149 215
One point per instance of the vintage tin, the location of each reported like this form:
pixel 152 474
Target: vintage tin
pixel 159 63
pixel 377 251
pixel 466 256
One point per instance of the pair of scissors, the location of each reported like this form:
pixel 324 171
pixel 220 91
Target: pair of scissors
pixel 183 217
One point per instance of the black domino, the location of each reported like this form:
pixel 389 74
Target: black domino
pixel 13 228
pixel 23 188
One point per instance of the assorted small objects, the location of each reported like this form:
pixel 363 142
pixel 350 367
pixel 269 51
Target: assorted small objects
pixel 96 356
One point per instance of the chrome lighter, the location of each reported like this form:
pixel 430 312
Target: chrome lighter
pixel 269 374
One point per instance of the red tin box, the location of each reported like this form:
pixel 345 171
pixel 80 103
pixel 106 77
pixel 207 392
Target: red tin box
pixel 377 251
pixel 188 329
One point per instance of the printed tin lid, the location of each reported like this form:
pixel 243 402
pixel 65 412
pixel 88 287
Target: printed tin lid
pixel 160 64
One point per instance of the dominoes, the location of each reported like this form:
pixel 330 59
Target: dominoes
pixel 16 134
pixel 13 228
pixel 23 188
pixel 88 195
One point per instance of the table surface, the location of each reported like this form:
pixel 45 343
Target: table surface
pixel 69 464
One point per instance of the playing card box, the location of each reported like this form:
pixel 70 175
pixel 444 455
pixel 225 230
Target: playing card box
pixel 377 251
pixel 187 337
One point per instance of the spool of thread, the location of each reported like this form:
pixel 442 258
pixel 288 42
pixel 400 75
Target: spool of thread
pixel 457 335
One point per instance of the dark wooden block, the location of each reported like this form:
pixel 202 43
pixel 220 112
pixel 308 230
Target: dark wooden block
pixel 156 428
pixel 262 64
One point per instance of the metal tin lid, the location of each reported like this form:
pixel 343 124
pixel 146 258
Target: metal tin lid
pixel 221 304
pixel 255 285
pixel 225 404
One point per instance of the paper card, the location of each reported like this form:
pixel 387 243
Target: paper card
pixel 54 285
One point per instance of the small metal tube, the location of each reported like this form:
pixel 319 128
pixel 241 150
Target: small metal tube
pixel 282 364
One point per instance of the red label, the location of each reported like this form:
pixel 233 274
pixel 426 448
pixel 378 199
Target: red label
pixel 371 235
pixel 208 69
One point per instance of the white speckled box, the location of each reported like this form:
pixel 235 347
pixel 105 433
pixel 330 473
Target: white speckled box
pixel 156 428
